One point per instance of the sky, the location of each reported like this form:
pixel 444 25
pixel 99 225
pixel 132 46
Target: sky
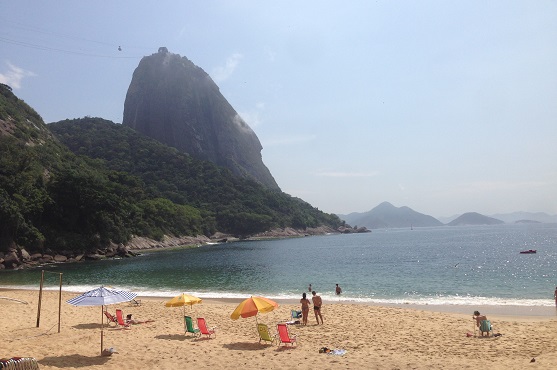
pixel 445 107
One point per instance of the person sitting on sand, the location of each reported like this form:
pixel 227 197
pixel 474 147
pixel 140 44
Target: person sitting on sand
pixel 305 309
pixel 317 303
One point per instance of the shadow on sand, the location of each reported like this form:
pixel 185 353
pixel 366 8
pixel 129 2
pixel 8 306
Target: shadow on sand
pixel 73 361
pixel 89 326
pixel 255 346
pixel 246 346
pixel 179 337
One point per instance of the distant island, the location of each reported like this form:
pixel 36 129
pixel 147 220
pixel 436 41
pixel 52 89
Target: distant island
pixel 473 218
pixel 386 215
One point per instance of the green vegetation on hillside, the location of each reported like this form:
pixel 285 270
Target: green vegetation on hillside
pixel 120 184
pixel 237 205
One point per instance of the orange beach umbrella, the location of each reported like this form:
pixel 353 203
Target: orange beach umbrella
pixel 252 306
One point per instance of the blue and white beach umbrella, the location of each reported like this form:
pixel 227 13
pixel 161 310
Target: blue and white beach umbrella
pixel 101 297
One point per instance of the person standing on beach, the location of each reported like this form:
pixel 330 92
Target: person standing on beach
pixel 338 290
pixel 317 303
pixel 555 296
pixel 305 309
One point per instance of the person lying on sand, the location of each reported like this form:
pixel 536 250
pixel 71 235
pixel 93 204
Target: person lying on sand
pixel 129 320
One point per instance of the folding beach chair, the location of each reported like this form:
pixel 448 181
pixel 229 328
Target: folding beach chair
pixel 295 314
pixel 111 319
pixel 120 319
pixel 202 325
pixel 284 336
pixel 264 334
pixel 485 327
pixel 188 326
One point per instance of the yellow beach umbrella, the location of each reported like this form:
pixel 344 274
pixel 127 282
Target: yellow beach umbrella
pixel 183 300
pixel 252 306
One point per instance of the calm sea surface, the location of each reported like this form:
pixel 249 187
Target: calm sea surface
pixel 478 265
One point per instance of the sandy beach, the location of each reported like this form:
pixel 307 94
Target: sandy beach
pixel 374 337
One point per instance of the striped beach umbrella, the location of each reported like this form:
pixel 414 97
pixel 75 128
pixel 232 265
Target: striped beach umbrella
pixel 101 297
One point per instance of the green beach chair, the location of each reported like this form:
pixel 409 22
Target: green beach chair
pixel 188 325
pixel 264 334
pixel 485 327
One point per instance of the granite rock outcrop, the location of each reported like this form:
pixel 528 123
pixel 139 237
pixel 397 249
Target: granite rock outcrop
pixel 172 100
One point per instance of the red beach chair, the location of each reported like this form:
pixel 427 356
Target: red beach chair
pixel 120 320
pixel 202 325
pixel 284 336
pixel 111 319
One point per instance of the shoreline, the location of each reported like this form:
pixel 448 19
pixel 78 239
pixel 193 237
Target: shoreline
pixel 499 311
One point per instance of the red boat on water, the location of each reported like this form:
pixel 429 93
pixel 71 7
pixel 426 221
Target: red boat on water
pixel 529 251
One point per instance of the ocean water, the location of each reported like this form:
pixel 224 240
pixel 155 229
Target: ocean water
pixel 478 265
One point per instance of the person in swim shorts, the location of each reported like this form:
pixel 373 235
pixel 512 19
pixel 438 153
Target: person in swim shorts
pixel 317 303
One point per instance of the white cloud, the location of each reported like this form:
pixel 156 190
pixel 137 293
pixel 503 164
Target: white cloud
pixel 14 76
pixel 346 174
pixel 224 72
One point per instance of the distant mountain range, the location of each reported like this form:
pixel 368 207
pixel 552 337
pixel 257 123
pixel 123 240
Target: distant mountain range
pixel 385 215
pixel 513 217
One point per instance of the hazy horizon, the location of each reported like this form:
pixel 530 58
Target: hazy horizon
pixel 444 107
pixel 446 217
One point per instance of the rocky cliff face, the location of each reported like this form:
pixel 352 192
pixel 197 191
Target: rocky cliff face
pixel 175 102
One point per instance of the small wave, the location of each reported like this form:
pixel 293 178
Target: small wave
pixel 419 301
